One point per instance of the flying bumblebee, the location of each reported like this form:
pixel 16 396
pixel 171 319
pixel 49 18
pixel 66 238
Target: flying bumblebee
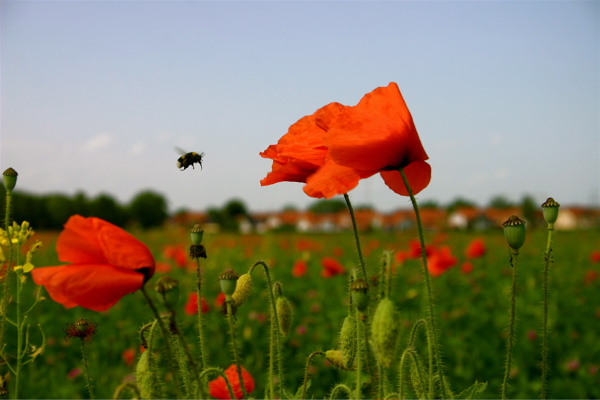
pixel 188 159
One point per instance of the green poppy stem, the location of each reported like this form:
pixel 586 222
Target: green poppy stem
pixel 356 238
pixel 86 370
pixel 234 349
pixel 203 350
pixel 547 257
pixel 511 328
pixel 430 305
pixel 308 360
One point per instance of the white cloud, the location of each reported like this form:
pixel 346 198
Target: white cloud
pixel 98 142
pixel 137 148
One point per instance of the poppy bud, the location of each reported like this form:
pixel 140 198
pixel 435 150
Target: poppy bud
pixel 10 179
pixel 243 288
pixel 336 358
pixel 196 234
pixel 284 314
pixel 514 232
pixel 144 378
pixel 384 331
pixel 228 280
pixel 348 341
pixel 358 290
pixel 169 290
pixel 550 210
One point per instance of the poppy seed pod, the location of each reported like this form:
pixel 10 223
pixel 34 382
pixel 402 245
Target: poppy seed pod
pixel 384 331
pixel 284 314
pixel 348 341
pixel 228 280
pixel 196 234
pixel 514 232
pixel 10 179
pixel 169 291
pixel 243 288
pixel 550 210
pixel 360 298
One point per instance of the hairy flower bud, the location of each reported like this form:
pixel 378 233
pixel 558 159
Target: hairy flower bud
pixel 284 314
pixel 384 331
pixel 360 298
pixel 348 341
pixel 336 358
pixel 243 288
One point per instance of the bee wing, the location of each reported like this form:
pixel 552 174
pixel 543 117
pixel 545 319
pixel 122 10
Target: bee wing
pixel 181 151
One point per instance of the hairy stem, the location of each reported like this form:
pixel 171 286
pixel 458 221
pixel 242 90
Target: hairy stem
pixel 511 328
pixel 305 383
pixel 234 349
pixel 356 238
pixel 86 371
pixel 430 306
pixel 548 259
pixel 167 336
pixel 203 359
pixel 276 325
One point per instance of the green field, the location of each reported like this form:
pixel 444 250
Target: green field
pixel 472 313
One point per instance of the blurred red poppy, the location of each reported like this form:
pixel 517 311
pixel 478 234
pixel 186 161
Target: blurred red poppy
pixel 466 267
pixel 218 388
pixel 440 260
pixel 415 249
pixel 476 248
pixel 220 300
pixel 128 356
pixel 331 267
pixel 595 256
pixel 106 263
pixel 191 307
pixel 299 268
pixel 337 146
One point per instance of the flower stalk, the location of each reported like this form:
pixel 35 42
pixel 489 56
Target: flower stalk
pixel 430 305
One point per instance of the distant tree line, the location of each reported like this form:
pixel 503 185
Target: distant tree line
pixel 147 209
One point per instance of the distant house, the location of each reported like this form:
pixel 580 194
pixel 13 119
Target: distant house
pixel 570 218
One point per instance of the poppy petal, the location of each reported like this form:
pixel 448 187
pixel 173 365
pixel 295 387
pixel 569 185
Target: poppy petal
pixel 94 286
pixel 376 134
pixel 122 249
pixel 333 179
pixel 418 174
pixel 78 242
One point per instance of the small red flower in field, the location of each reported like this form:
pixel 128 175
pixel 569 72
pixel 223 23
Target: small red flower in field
pixel 331 267
pixel 299 268
pixel 74 373
pixel 595 256
pixel 220 300
pixel 337 146
pixel 218 388
pixel 415 249
pixel 191 307
pixel 590 277
pixel 440 261
pixel 128 356
pixel 476 249
pixel 466 267
pixel 106 263
pixel 177 254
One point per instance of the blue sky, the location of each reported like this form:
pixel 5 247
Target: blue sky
pixel 95 95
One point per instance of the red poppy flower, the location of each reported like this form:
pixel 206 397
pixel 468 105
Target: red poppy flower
pixel 337 146
pixel 220 300
pixel 106 263
pixel 128 356
pixel 415 249
pixel 299 268
pixel 191 307
pixel 466 267
pixel 595 256
pixel 440 261
pixel 331 267
pixel 218 388
pixel 476 249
